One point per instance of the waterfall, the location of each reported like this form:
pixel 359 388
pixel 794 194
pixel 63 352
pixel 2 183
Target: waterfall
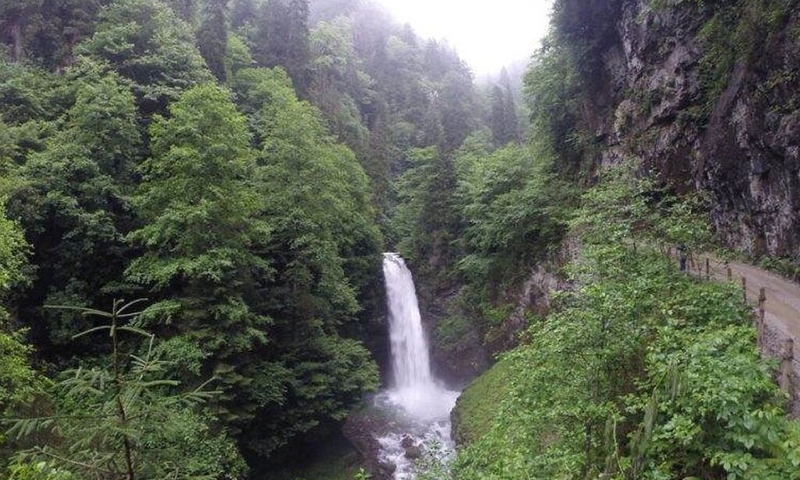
pixel 424 401
pixel 410 360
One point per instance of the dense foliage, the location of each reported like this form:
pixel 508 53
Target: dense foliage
pixel 242 164
pixel 231 162
pixel 147 151
pixel 119 420
pixel 18 382
pixel 642 372
pixel 638 372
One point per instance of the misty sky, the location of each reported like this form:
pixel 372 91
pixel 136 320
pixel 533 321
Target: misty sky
pixel 487 34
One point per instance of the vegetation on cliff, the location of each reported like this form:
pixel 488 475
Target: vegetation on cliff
pixel 639 372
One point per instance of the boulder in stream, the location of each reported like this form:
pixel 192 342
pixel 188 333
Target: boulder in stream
pixel 413 452
pixel 407 442
pixel 386 469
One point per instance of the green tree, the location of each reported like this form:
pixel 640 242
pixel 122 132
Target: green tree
pixel 56 27
pixel 119 420
pixel 212 37
pixel 452 86
pixel 399 73
pixel 186 10
pixel 552 87
pixel 426 218
pixel 237 56
pixel 514 208
pixel 145 42
pixel 283 39
pixel 639 373
pixel 339 87
pixel 104 120
pixel 200 231
pixel 72 203
pixel 30 94
pixel 504 122
pixel 325 250
pixel 18 382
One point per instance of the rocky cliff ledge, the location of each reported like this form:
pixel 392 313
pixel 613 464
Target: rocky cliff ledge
pixel 708 94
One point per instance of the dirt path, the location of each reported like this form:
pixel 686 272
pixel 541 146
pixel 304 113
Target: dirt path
pixel 782 307
pixel 781 313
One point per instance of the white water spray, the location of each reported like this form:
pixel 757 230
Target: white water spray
pixel 410 361
pixel 415 390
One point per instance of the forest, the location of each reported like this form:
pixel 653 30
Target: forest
pixel 196 196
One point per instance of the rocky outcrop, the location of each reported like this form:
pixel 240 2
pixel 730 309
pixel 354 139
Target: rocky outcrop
pixel 459 358
pixel 413 452
pixel 363 428
pixel 535 294
pixel 708 95
pixel 462 346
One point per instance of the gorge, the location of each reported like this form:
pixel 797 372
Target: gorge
pixel 244 164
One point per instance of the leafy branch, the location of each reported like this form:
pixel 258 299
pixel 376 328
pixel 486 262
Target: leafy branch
pixel 130 398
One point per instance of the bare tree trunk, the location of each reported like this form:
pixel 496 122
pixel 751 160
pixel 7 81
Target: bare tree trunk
pixel 16 41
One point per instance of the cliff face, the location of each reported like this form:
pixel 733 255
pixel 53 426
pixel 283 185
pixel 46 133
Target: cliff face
pixel 708 94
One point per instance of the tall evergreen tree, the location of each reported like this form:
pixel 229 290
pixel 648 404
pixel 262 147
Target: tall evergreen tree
pixel 504 122
pixel 200 228
pixel 144 41
pixel 283 39
pixel 212 37
pixel 459 107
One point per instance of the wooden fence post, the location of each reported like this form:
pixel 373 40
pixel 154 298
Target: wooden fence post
pixel 708 269
pixel 762 299
pixel 728 268
pixel 787 355
pixel 744 290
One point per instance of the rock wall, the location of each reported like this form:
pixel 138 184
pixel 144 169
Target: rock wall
pixel 459 359
pixel 666 96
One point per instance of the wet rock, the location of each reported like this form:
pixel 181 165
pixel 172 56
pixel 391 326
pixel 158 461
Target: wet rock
pixel 362 429
pixel 385 469
pixel 413 452
pixel 407 442
pixel 456 362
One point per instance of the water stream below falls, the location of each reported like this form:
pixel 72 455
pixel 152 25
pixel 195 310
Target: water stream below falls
pixel 419 404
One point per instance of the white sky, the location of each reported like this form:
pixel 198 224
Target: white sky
pixel 488 35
